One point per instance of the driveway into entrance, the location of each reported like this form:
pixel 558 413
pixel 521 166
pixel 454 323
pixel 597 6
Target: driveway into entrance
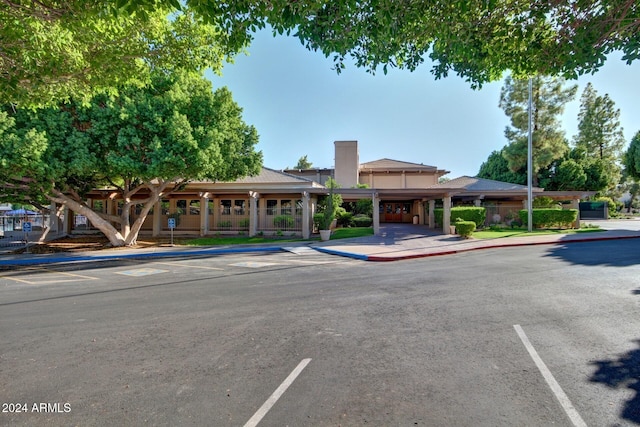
pixel 406 241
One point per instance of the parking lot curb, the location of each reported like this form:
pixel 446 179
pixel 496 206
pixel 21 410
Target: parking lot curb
pixel 168 254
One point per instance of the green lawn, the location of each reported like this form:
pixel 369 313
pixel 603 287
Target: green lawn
pixel 513 232
pixel 340 233
pixel 345 233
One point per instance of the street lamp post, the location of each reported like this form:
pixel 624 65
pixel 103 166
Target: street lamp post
pixel 530 162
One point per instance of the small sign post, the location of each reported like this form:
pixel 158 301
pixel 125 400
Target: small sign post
pixel 26 227
pixel 172 225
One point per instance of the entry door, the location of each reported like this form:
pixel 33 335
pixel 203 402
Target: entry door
pixel 393 212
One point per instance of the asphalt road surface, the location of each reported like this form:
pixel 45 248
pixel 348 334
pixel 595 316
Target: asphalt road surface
pixel 538 336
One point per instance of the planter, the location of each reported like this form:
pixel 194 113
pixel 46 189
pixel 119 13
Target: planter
pixel 452 229
pixel 325 235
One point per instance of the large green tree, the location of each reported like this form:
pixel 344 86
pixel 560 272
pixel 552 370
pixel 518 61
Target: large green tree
pixel 549 143
pixel 303 163
pixel 496 167
pixel 80 45
pixel 599 142
pixel 599 132
pixel 52 50
pixel 477 39
pixel 142 144
pixel 632 157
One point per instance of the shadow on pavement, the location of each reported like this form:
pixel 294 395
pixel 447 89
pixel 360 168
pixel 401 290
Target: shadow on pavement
pixel 622 371
pixel 600 253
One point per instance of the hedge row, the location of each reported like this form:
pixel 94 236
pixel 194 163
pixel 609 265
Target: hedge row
pixel 475 214
pixel 547 218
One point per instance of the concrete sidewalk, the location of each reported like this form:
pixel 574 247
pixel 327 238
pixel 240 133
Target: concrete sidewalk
pixel 398 243
pixel 395 242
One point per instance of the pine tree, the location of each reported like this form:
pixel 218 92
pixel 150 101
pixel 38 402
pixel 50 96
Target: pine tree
pixel 549 142
pixel 600 135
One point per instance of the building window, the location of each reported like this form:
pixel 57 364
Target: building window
pixel 299 207
pixel 181 206
pixel 210 207
pixel 225 207
pixel 239 207
pixel 98 205
pixel 164 207
pixel 194 207
pixel 406 209
pixel 285 207
pixel 271 207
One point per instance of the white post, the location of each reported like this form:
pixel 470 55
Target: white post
pixel 446 215
pixel 204 214
pixel 376 213
pixel 157 219
pixel 530 161
pixel 253 213
pixel 306 217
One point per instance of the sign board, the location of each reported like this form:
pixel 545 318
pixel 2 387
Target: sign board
pixel 26 227
pixel 172 223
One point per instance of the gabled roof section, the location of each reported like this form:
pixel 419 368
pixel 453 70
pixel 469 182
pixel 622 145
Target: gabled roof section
pixel 474 184
pixel 390 164
pixel 272 176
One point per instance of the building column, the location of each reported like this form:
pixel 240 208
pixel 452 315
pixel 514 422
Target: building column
pixel 66 222
pixel 53 218
pixel 306 217
pixel 204 214
pixel 376 213
pixel 157 218
pixel 575 204
pixel 446 215
pixel 253 213
pixel 432 216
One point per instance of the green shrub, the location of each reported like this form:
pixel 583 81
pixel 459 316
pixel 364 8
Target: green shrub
pixel 545 202
pixel 283 221
pixel 243 223
pixel 612 206
pixel 317 220
pixel 548 218
pixel 465 228
pixel 224 224
pixel 362 221
pixel 345 219
pixel 466 213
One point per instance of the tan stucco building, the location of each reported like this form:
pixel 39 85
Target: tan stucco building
pixel 283 202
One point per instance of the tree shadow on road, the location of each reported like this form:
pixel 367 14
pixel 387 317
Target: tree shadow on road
pixel 618 253
pixel 623 371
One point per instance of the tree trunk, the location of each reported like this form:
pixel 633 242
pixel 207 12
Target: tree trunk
pixel 132 237
pixel 114 236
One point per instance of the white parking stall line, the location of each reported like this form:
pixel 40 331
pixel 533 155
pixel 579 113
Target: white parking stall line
pixel 260 413
pixel 566 404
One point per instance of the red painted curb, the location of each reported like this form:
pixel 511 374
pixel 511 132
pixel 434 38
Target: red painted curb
pixel 375 258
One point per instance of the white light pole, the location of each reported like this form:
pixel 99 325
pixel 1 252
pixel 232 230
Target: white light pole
pixel 530 162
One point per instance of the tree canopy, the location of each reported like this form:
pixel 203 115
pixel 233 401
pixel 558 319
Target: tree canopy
pixel 632 157
pixel 51 51
pixel 141 145
pixel 303 163
pixel 58 49
pixel 592 163
pixel 478 39
pixel 549 143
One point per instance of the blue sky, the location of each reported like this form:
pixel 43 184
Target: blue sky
pixel 299 106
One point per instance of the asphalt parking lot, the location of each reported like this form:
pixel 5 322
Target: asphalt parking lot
pixel 311 339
